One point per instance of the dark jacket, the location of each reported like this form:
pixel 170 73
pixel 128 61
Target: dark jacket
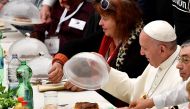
pixel 89 43
pixel 66 32
pixel 181 15
pixel 156 10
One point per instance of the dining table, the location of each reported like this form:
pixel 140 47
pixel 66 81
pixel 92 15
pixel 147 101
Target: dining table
pixel 66 99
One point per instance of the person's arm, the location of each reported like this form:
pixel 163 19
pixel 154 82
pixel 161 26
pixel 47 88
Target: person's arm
pixel 173 97
pixel 45 13
pixel 170 98
pixel 89 43
pixel 2 3
pixel 86 44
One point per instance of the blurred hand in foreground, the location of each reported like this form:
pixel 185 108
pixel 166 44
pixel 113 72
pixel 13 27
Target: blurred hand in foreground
pixel 45 14
pixel 1 6
pixel 2 3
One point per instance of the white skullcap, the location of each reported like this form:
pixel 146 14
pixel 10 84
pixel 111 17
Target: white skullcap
pixel 160 30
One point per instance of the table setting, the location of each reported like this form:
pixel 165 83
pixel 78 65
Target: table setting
pixel 40 83
pixel 85 70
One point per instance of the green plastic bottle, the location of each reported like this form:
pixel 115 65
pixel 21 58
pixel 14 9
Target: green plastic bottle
pixel 24 74
pixel 1 60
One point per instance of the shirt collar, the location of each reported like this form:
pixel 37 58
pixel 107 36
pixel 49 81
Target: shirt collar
pixel 171 59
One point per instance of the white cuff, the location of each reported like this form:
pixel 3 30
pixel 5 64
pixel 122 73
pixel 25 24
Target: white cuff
pixel 48 2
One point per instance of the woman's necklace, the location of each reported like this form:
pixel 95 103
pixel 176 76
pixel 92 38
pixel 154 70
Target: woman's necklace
pixel 125 45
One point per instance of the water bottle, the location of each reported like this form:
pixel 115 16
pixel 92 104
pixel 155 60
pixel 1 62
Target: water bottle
pixel 1 61
pixel 12 66
pixel 24 74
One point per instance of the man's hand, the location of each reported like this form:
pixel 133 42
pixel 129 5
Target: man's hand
pixel 71 87
pixel 56 72
pixel 108 66
pixel 45 14
pixel 141 104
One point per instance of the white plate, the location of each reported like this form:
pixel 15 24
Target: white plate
pixel 11 21
pixel 102 105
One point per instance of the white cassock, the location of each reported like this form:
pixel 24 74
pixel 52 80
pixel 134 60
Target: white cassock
pixel 153 81
pixel 175 96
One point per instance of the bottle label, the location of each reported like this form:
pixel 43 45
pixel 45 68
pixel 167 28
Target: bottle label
pixel 1 63
pixel 29 99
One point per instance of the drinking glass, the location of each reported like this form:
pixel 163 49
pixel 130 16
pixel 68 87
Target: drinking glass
pixel 50 100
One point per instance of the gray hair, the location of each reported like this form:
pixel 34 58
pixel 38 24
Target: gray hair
pixel 185 44
pixel 170 45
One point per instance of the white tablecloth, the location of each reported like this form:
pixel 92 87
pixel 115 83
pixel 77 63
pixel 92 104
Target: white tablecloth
pixel 66 97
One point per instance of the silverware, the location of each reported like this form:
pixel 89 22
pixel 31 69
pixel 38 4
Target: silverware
pixel 5 31
pixel 45 81
pixel 62 105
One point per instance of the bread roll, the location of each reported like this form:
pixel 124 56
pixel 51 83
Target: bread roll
pixel 22 19
pixel 86 105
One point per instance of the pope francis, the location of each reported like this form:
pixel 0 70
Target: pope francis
pixel 158 45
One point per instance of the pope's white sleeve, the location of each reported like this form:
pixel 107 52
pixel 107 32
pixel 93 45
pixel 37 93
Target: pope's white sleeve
pixel 172 97
pixel 48 2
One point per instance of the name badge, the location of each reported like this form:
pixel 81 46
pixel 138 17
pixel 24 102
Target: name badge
pixel 77 24
pixel 52 44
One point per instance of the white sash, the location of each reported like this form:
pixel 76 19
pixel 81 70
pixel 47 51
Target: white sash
pixel 64 17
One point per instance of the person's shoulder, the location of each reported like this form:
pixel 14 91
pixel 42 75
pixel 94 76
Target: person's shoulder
pixel 88 6
pixel 88 3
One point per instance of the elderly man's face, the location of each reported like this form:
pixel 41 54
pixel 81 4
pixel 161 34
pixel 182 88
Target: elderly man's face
pixel 184 63
pixel 150 49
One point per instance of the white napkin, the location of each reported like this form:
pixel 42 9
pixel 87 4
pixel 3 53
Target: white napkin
pixel 51 87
